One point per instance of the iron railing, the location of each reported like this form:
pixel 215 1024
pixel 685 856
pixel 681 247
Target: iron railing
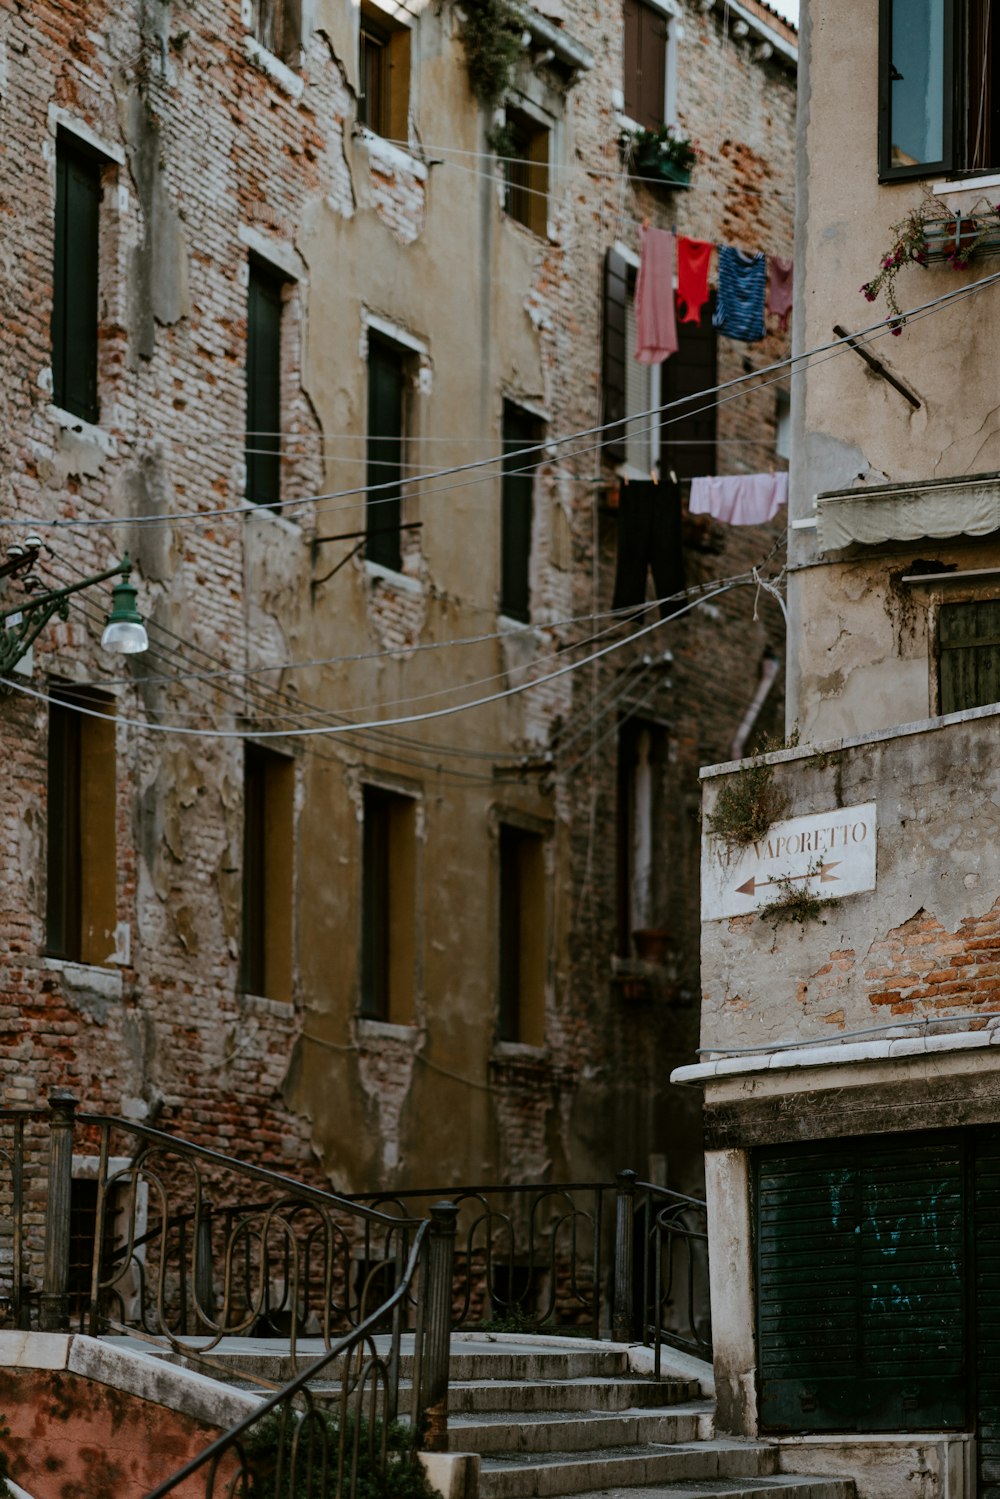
pixel 661 1263
pixel 18 1148
pixel 527 1258
pixel 332 1427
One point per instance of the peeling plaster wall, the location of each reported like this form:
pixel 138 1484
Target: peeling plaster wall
pixel 225 153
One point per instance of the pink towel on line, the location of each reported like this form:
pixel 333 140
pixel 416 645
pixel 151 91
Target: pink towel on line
pixel 740 499
pixel 655 318
pixel 779 287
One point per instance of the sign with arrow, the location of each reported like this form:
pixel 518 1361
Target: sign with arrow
pixel 830 854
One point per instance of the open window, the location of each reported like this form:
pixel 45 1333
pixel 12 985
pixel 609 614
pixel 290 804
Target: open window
pixel 268 823
pixel 526 170
pixel 277 26
pixel 649 64
pixel 389 906
pixel 939 101
pixel 384 74
pixel 522 934
pixel 264 393
pixel 520 430
pixel 81 899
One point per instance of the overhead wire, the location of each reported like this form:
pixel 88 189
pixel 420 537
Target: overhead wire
pixel 787 363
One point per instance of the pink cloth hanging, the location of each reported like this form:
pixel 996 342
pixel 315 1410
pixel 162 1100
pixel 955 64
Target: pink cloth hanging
pixel 655 319
pixel 740 499
pixel 779 287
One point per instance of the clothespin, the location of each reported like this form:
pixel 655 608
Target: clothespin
pixel 673 476
pixel 645 222
pixel 655 474
pixel 625 478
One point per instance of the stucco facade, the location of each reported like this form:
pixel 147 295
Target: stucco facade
pixel 848 940
pixel 220 165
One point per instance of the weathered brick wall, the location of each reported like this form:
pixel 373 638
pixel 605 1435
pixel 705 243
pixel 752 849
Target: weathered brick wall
pixel 225 153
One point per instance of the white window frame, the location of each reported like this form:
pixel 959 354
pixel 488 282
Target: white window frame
pixel 675 31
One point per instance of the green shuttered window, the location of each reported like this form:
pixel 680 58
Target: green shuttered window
pixel 75 280
pixel 861 1286
pixel 969 649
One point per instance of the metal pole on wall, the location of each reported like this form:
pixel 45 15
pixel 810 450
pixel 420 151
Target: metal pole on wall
pixel 437 1328
pixel 53 1315
pixel 621 1314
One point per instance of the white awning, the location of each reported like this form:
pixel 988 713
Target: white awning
pixel 907 512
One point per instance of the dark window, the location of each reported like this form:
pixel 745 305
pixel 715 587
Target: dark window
pixel 939 109
pixel 80 913
pixel 526 172
pixel 641 758
pixel 520 430
pixel 689 428
pixel 616 298
pixel 521 1012
pixel 277 25
pixel 646 34
pixel 384 71
pixel 268 811
pixel 969 655
pixel 386 387
pixel 388 898
pixel 74 289
pixel 263 446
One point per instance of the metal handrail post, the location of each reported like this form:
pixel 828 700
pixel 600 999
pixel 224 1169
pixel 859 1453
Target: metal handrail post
pixel 621 1315
pixel 53 1313
pixel 431 1421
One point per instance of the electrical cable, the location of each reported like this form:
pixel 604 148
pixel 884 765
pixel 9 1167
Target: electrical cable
pixel 785 364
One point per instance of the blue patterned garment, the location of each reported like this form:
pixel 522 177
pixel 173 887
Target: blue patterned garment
pixel 739 308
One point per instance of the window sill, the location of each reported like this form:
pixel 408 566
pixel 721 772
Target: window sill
pixel 279 72
pixel 966 185
pixel 278 1009
pixel 388 154
pixel 385 1030
pixel 107 982
pixel 88 431
pixel 519 1051
pixel 269 517
pixel 403 581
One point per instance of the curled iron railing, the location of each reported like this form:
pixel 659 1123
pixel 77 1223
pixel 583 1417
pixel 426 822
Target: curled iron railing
pixel 670 1279
pixel 278 1258
pixel 333 1428
pixel 527 1258
pixel 20 1146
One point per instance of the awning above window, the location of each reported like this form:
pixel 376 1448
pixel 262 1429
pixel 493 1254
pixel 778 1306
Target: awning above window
pixel 907 512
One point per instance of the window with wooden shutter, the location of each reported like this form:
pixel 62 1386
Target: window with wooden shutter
pixel 268 851
pixel 526 172
pixel 969 655
pixel 388 906
pixel 81 894
pixel 614 353
pixel 277 25
pixel 645 72
pixel 263 442
pixel 75 279
pixel 384 74
pixel 386 440
pixel 520 430
pixel 521 1009
pixel 689 429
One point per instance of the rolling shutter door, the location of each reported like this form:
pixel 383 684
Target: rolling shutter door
pixel 861 1286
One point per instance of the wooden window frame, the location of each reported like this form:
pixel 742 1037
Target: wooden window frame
pixel 526 172
pixel 521 943
pixel 648 107
pixel 388 114
pixel 76 277
pixel 266 295
pixel 81 882
pixel 267 949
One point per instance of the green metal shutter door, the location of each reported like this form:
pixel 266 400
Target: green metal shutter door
pixel 860 1287
pixel 969 641
pixel 987 1179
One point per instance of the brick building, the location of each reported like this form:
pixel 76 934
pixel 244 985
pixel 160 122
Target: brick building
pixel 262 277
pixel 849 952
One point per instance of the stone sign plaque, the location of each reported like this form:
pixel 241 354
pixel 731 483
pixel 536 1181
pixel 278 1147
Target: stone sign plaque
pixel 830 854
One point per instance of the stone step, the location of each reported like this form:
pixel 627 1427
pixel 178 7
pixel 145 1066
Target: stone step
pixel 578 1431
pixel 518 1476
pixel 610 1395
pixel 777 1486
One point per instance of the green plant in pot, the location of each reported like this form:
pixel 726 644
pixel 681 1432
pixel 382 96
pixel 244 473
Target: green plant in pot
pixel 665 153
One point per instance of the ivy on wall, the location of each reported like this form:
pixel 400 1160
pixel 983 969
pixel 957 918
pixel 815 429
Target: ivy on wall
pixel 491 34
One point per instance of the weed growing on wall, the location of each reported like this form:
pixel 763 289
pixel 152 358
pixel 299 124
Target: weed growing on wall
pixel 491 34
pixel 746 806
pixel 796 902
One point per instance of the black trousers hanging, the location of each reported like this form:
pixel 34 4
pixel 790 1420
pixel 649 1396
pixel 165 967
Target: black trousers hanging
pixel 649 538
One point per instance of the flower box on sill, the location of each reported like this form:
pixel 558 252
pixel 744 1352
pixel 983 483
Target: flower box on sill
pixel 651 164
pixel 960 239
pixel 663 155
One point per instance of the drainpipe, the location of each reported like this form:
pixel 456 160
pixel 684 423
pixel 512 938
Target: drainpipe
pixel 769 668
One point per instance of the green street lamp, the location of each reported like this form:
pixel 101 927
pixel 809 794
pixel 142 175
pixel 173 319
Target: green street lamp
pixel 20 626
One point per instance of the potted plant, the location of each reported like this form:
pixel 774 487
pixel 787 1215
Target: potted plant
pixel 665 154
pixel 933 232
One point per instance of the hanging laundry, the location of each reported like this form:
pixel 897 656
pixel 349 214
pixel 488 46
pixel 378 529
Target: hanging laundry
pixel 779 287
pixel 655 320
pixel 740 499
pixel 693 256
pixel 739 310
pixel 649 537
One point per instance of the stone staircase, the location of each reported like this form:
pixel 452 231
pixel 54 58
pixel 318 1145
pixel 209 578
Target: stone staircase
pixel 559 1417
